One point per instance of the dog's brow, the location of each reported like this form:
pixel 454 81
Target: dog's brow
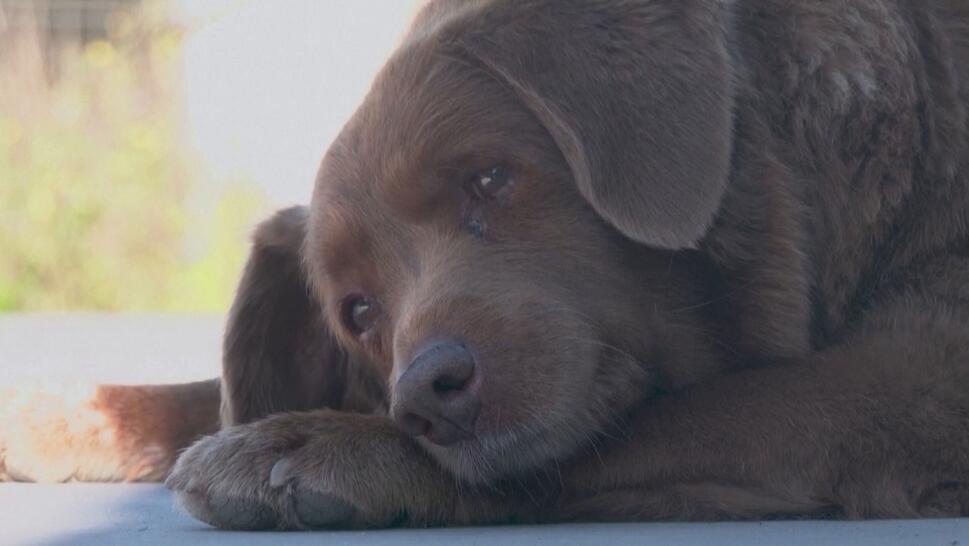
pixel 342 238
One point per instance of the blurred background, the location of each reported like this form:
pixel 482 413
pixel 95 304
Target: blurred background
pixel 140 140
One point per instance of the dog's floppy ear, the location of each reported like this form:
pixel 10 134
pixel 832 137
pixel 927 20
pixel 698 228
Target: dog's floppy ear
pixel 637 96
pixel 278 352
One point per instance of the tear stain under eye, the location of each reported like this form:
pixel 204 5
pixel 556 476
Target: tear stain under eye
pixel 474 220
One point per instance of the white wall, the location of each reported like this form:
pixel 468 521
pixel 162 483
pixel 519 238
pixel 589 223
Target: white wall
pixel 269 83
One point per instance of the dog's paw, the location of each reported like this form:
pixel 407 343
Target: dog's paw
pixel 307 471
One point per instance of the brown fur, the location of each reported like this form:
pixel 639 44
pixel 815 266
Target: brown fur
pixel 101 433
pixel 728 280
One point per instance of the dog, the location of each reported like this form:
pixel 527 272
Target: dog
pixel 611 260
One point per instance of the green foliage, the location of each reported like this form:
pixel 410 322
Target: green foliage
pixel 95 184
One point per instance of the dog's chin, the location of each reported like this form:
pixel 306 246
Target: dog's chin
pixel 514 452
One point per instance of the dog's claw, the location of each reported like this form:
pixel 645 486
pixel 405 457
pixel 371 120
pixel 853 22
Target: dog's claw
pixel 279 474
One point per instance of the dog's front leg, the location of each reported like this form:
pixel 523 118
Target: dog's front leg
pixel 878 427
pixel 323 469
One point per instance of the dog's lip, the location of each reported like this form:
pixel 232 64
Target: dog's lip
pixel 457 433
pixel 490 455
pixel 464 437
pixel 475 438
pixel 461 435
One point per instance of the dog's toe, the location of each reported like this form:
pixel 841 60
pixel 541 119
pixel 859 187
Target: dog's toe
pixel 195 505
pixel 231 513
pixel 228 512
pixel 321 510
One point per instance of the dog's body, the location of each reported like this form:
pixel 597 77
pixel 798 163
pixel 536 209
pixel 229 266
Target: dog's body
pixel 717 266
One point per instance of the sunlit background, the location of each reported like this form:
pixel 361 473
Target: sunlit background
pixel 141 140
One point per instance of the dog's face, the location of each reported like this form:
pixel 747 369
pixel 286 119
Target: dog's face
pixel 469 243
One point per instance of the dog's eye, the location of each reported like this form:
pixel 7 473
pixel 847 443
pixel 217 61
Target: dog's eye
pixel 486 184
pixel 359 314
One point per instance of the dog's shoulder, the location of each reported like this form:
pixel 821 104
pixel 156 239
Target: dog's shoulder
pixel 849 158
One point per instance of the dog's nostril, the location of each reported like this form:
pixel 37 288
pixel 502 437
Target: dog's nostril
pixel 450 383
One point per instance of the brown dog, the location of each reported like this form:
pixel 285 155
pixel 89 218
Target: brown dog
pixel 617 260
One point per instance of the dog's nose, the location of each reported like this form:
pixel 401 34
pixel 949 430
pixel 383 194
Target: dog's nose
pixel 437 396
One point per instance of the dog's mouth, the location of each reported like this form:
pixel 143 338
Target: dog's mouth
pixel 542 385
pixel 516 444
pixel 484 457
pixel 508 447
pixel 493 446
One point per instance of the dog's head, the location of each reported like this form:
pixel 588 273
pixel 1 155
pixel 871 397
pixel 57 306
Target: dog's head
pixel 499 228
